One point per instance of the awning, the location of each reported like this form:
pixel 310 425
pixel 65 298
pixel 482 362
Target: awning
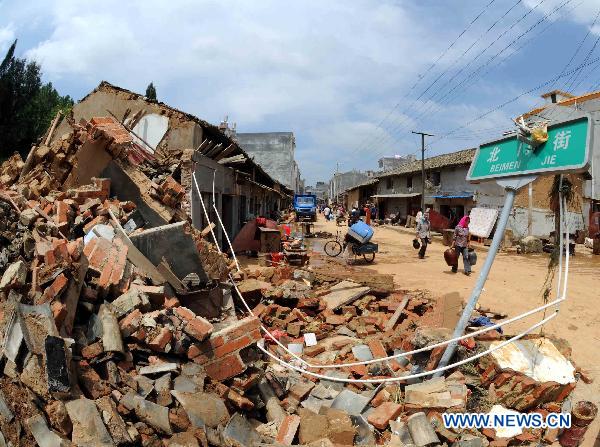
pixel 396 196
pixel 466 195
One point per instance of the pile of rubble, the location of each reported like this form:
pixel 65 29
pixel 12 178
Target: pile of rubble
pixel 325 322
pixel 119 331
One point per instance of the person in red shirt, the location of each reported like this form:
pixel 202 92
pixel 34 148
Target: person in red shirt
pixel 367 214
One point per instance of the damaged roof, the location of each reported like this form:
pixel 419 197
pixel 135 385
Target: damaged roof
pixel 459 158
pixel 212 132
pixel 570 101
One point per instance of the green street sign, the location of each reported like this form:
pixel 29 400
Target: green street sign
pixel 567 150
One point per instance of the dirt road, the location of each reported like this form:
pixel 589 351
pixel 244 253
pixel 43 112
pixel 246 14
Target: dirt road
pixel 513 287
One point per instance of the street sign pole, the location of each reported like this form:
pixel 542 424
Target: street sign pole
pixel 511 186
pixel 513 164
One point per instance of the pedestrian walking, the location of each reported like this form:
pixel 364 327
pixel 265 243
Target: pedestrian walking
pixel 326 212
pixel 367 210
pixel 461 244
pixel 424 233
pixel 373 212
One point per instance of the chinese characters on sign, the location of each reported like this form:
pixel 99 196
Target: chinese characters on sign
pixel 567 149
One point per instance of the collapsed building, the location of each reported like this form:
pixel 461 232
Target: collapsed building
pixel 243 190
pixel 121 323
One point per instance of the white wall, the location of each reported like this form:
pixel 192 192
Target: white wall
pixel 542 222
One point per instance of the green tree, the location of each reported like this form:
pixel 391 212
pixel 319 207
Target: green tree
pixel 151 92
pixel 27 106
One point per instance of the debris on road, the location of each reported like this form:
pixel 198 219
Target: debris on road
pixel 118 331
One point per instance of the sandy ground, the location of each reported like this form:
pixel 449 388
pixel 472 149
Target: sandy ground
pixel 513 286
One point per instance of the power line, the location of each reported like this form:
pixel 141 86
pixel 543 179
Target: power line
pixel 476 71
pixel 433 65
pixel 595 61
pixel 426 107
pixel 588 55
pixel 504 104
pixel 580 44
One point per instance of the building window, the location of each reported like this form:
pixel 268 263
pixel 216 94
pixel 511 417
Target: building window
pixel 389 183
pixel 409 182
pixel 436 178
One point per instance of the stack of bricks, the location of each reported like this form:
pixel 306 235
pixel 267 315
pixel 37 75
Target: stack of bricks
pixel 49 167
pixel 170 192
pixel 110 129
pixel 220 354
pixel 10 170
pixel 108 260
pixel 99 189
pixel 516 390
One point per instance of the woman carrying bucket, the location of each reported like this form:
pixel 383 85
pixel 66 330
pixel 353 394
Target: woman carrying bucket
pixel 461 244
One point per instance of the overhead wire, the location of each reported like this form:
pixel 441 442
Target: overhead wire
pixel 504 104
pixel 427 105
pixel 579 47
pixel 390 134
pixel 431 84
pixel 447 97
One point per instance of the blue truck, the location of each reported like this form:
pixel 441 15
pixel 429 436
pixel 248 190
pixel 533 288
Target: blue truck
pixel 305 206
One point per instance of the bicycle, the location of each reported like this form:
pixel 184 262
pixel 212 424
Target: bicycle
pixel 335 246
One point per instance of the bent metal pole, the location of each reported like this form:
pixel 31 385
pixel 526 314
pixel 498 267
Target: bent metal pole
pixel 489 260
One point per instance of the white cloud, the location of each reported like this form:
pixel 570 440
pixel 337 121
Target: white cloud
pixel 7 37
pixel 328 70
pixel 582 12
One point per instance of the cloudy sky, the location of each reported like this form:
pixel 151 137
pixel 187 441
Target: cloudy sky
pixel 351 79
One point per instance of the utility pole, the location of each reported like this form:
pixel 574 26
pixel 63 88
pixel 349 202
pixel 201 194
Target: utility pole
pixel 337 181
pixel 423 134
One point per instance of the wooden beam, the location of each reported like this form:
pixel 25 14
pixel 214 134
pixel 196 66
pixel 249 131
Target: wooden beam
pixel 207 229
pixel 130 130
pixel 214 150
pixel 394 319
pixel 55 122
pixel 203 145
pixel 171 278
pixel 135 256
pixel 235 159
pixel 207 149
pixel 228 150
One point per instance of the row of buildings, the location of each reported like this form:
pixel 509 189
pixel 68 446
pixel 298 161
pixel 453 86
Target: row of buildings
pixel 250 174
pixel 397 192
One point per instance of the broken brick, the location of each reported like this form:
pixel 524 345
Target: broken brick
pixel 198 328
pixel 383 414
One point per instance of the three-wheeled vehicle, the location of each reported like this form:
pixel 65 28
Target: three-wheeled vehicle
pixel 357 240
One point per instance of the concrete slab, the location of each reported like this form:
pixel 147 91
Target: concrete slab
pixel 351 402
pixel 172 243
pixel 364 431
pixel 5 411
pixel 344 293
pixel 334 385
pixel 362 353
pixel 113 420
pixel 538 359
pixel 88 428
pixel 158 368
pixel 42 434
pixel 203 409
pixel 239 432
